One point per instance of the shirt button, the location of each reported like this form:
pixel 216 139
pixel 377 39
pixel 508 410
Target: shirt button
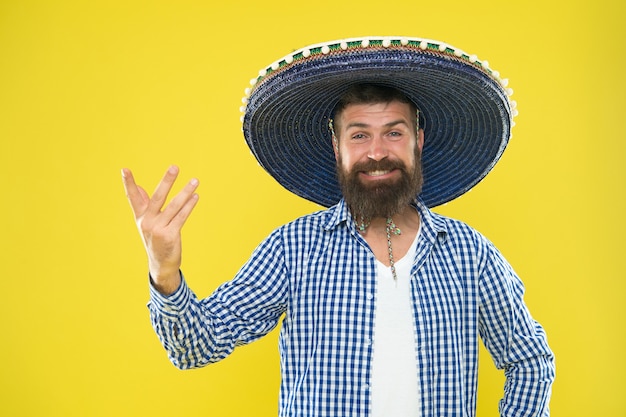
pixel 370 296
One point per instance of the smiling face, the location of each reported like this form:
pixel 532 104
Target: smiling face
pixel 378 157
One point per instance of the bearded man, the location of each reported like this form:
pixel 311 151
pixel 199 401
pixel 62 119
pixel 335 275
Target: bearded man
pixel 382 301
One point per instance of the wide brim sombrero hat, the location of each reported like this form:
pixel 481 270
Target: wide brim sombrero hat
pixel 464 106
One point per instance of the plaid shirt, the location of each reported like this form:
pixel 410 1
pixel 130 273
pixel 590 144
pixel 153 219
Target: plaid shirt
pixel 319 274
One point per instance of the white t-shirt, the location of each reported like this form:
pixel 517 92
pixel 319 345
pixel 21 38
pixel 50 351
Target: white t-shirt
pixel 395 391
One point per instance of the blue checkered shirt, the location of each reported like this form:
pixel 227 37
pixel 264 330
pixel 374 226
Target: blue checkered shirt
pixel 319 274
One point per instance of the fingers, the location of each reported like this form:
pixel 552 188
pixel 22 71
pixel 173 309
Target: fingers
pixel 137 197
pixel 177 211
pixel 149 209
pixel 163 189
pixel 181 216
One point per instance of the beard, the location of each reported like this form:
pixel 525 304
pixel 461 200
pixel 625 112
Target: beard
pixel 383 198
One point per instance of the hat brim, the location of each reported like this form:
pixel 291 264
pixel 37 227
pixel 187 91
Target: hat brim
pixel 466 113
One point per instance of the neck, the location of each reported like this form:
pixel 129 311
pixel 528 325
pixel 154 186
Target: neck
pixel 407 219
pixel 379 233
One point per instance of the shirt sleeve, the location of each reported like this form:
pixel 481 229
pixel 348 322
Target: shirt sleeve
pixel 198 332
pixel 516 342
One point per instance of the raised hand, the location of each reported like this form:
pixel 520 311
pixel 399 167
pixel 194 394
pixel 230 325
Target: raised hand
pixel 160 227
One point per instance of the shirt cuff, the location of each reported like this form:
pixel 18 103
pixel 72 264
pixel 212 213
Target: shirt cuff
pixel 170 305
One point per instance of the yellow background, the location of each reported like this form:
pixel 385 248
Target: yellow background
pixel 87 88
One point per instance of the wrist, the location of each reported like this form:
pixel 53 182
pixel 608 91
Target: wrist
pixel 165 282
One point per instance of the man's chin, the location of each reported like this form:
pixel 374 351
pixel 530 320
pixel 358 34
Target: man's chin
pixel 379 192
pixel 378 184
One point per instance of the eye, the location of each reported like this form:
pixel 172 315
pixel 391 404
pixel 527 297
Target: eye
pixel 358 137
pixel 395 134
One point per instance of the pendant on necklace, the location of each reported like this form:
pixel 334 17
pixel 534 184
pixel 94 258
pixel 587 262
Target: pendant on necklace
pixel 395 230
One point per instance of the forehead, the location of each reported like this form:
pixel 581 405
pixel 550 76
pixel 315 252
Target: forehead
pixel 376 113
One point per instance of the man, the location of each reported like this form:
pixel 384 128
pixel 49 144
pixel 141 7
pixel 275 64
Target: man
pixel 382 301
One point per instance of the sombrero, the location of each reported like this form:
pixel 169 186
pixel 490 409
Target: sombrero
pixel 465 107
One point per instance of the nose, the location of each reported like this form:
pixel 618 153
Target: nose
pixel 378 149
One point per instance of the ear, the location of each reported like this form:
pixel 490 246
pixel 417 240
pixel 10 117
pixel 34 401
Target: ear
pixel 420 139
pixel 334 139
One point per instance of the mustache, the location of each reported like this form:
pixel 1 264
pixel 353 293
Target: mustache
pixel 382 165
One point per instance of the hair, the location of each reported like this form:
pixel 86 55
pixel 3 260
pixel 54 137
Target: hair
pixel 371 94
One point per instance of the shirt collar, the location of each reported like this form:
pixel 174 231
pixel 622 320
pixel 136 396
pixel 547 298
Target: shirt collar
pixel 434 227
pixel 337 214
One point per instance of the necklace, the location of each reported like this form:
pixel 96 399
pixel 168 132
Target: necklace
pixel 390 229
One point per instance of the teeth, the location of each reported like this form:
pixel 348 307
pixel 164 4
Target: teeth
pixel 377 173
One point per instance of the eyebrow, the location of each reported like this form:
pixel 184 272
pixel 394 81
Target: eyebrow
pixel 365 125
